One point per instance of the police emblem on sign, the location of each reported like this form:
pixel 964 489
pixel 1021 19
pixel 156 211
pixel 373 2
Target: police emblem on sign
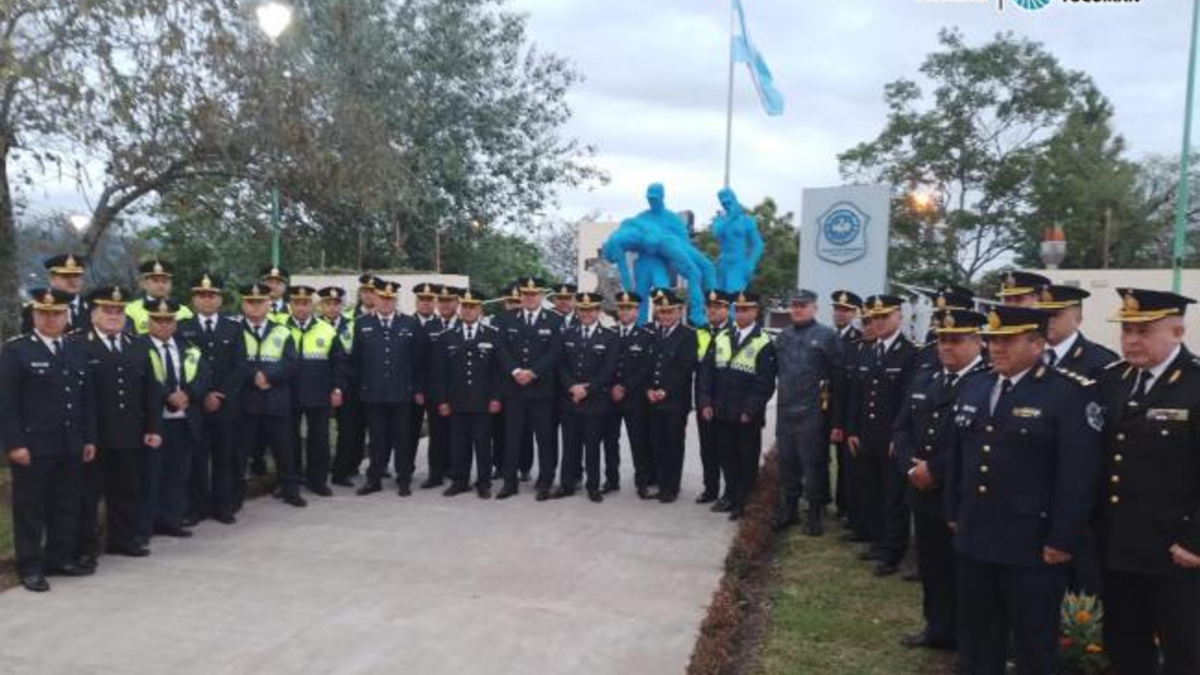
pixel 842 233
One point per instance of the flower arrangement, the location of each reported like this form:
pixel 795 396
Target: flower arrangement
pixel 1082 646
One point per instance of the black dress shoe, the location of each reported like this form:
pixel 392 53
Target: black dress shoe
pixel 321 491
pixel 561 492
pixel 596 496
pixel 370 487
pixel 644 493
pixel 721 506
pixel 812 523
pixel 484 492
pixel 736 513
pixel 130 551
pixel 543 494
pixel 70 569
pixel 854 538
pixel 610 486
pixel 885 569
pixel 225 518
pixel 191 521
pixel 342 481
pixel 524 476
pixel 35 583
pixel 667 497
pixel 706 497
pixel 509 490
pixel 455 489
pixel 431 483
pixel 294 499
pixel 173 531
pixel 404 490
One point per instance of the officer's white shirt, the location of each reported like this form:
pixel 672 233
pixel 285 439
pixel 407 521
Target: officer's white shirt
pixel 1063 348
pixel 999 382
pixel 176 364
pixel 888 342
pixel 958 376
pixel 843 331
pixel 1153 373
pixel 49 342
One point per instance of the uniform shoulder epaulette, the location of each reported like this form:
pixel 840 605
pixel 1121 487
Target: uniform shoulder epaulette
pixel 1115 364
pixel 1075 377
pixel 15 338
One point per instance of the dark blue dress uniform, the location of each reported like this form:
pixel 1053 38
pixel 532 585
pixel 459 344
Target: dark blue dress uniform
pixel 213 480
pixel 266 413
pixel 843 384
pixel 1022 476
pixel 467 376
pixel 632 372
pixel 437 451
pixel 710 452
pixel 589 358
pixel 390 364
pixel 1150 502
pixel 351 422
pixel 128 407
pixel 46 407
pixel 672 366
pixel 922 431
pixel 80 316
pixel 885 370
pixel 533 344
pixel 737 381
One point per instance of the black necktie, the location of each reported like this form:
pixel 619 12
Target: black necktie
pixel 55 347
pixel 1140 385
pixel 113 344
pixel 951 378
pixel 208 326
pixel 1005 386
pixel 172 381
pixel 529 319
pixel 470 333
pixel 1051 357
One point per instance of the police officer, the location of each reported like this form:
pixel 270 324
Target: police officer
pixel 585 375
pixel 1022 289
pixel 465 386
pixel 738 381
pixel 949 296
pixel 367 296
pixel 1025 460
pixel 212 481
pixel 351 426
pixel 315 393
pixel 276 279
pixel 1149 524
pixel 920 439
pixel 716 306
pixel 563 299
pixel 628 395
pixel 431 325
pixel 267 396
pixel 844 310
pixel 390 364
pixel 809 358
pixel 184 379
pixel 64 272
pixel 530 347
pixel 128 421
pixel 448 305
pixel 885 371
pixel 48 427
pixel 157 277
pixel 512 302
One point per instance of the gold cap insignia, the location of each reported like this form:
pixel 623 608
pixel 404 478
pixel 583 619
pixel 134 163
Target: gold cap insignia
pixel 158 268
pixel 71 264
pixel 275 272
pixel 116 294
pixel 1047 295
pixel 948 321
pixel 878 303
pixel 941 301
pixel 163 307
pixel 994 320
pixel 1131 303
pixel 206 282
pixel 741 298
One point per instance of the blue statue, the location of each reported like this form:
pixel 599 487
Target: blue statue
pixel 741 245
pixel 660 240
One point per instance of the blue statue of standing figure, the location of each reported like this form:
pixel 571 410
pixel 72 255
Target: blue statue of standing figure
pixel 659 237
pixel 741 245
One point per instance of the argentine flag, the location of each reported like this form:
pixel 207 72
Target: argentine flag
pixel 745 52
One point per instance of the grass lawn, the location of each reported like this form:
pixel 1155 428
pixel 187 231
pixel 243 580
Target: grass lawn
pixel 827 613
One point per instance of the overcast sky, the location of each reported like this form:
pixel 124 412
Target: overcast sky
pixel 653 101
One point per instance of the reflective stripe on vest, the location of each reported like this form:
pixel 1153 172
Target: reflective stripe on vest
pixel 136 311
pixel 270 350
pixel 315 344
pixel 746 359
pixel 703 340
pixel 191 364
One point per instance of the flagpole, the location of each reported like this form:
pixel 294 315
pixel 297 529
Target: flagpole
pixel 729 98
pixel 1181 199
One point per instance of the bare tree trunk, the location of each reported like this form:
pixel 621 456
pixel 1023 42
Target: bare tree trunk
pixel 10 301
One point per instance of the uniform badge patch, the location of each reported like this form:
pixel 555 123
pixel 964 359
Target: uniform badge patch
pixel 1167 414
pixel 1095 416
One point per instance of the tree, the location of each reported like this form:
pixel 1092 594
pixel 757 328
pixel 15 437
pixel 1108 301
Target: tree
pixel 559 242
pixel 968 153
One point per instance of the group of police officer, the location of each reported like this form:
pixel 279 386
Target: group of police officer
pixel 1020 457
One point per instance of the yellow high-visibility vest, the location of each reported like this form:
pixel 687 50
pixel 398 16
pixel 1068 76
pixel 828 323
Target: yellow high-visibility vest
pixel 191 365
pixel 746 360
pixel 140 317
pixel 315 344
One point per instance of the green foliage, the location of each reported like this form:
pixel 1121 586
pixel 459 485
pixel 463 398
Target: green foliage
pixel 777 272
pixel 1082 645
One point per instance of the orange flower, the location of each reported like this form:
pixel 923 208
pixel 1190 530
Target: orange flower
pixel 1067 642
pixel 1093 648
pixel 1082 616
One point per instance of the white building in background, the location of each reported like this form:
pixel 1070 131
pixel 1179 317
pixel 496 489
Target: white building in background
pixel 591 237
pixel 1102 284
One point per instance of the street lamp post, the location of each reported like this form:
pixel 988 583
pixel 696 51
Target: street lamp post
pixel 274 18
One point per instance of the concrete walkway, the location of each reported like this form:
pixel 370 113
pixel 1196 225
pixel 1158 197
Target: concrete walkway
pixel 380 584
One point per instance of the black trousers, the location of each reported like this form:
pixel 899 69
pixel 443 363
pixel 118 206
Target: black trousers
pixel 668 433
pixel 1083 572
pixel 582 436
pixel 633 415
pixel 1137 607
pixel 213 483
pixel 439 453
pixel 164 479
pixel 390 432
pixel 881 488
pixel 122 470
pixel 45 506
pixel 91 488
pixel 470 438
pixel 312 449
pixel 710 457
pixel 841 497
pixel 269 430
pixel 526 419
pixel 352 434
pixel 996 601
pixel 741 448
pixel 803 450
pixel 937 569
